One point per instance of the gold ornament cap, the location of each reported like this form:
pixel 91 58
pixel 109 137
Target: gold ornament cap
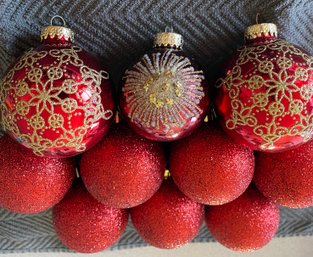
pixel 57 32
pixel 168 39
pixel 261 30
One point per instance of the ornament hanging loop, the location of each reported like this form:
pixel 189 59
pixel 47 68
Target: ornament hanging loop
pixel 257 18
pixel 57 17
pixel 169 29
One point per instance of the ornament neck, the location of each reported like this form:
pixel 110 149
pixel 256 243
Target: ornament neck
pixel 259 40
pixel 260 33
pixel 54 34
pixel 168 40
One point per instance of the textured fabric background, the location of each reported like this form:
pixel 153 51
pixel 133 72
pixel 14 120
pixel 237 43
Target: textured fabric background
pixel 34 233
pixel 120 31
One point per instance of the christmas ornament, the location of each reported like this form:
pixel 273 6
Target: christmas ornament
pixel 169 219
pixel 124 170
pixel 286 178
pixel 85 225
pixel 56 99
pixel 245 224
pixel 265 98
pixel 164 95
pixel 210 167
pixel 28 183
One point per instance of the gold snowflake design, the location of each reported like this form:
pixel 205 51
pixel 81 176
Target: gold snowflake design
pixel 276 93
pixel 22 102
pixel 163 91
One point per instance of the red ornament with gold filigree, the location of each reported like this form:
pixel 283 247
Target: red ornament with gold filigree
pixel 56 99
pixel 164 95
pixel 265 98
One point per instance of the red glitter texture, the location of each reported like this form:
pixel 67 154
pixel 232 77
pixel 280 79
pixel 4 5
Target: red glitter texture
pixel 286 178
pixel 124 170
pixel 210 167
pixel 85 225
pixel 169 219
pixel 28 183
pixel 245 224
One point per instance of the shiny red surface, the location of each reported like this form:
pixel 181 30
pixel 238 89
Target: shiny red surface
pixel 160 134
pixel 95 131
pixel 245 134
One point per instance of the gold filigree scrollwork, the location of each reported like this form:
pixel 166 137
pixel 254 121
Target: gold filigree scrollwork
pixel 38 111
pixel 278 93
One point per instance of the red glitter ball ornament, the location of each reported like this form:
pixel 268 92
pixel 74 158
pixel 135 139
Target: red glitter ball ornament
pixel 245 224
pixel 169 219
pixel 56 99
pixel 286 178
pixel 28 183
pixel 210 167
pixel 164 95
pixel 85 225
pixel 124 170
pixel 265 98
